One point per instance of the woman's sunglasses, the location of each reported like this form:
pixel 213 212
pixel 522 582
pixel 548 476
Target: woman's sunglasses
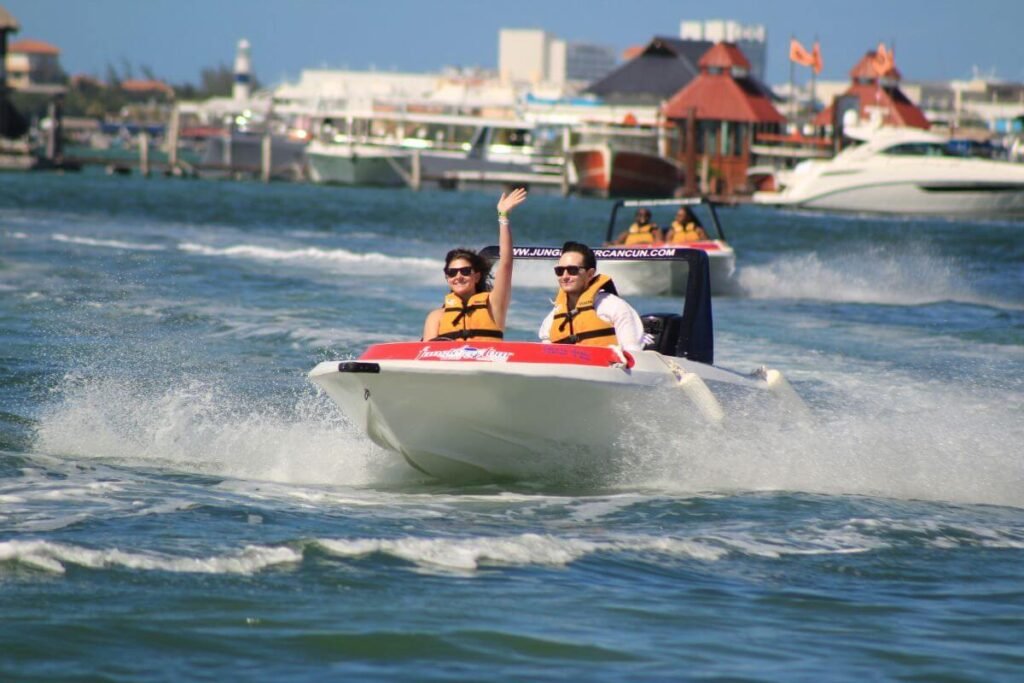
pixel 464 271
pixel 572 270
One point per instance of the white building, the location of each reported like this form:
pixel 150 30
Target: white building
pixel 535 57
pixel 32 62
pixel 751 38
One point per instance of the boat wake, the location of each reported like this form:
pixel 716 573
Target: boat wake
pixel 311 256
pixel 895 438
pixel 874 275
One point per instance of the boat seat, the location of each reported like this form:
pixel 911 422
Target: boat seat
pixel 665 329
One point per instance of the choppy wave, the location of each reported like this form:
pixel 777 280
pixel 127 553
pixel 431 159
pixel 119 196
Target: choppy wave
pixel 309 255
pixel 718 542
pixel 113 244
pixel 53 557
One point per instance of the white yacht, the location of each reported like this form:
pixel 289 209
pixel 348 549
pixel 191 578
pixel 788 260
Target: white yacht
pixel 378 148
pixel 902 171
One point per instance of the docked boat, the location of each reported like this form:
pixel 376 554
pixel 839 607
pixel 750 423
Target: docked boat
pixel 453 151
pixel 354 164
pixel 615 161
pixel 525 410
pixel 902 171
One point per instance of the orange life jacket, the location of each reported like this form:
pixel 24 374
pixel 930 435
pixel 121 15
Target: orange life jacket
pixel 468 320
pixel 640 234
pixel 582 325
pixel 680 234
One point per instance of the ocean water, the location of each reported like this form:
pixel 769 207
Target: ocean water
pixel 178 502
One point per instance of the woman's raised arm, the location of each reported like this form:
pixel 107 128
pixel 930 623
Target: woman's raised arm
pixel 501 293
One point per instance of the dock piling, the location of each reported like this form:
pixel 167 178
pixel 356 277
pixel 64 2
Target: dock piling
pixel 173 133
pixel 144 153
pixel 417 172
pixel 266 159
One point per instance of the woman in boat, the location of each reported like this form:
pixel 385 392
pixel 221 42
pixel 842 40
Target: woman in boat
pixel 642 231
pixel 685 228
pixel 475 308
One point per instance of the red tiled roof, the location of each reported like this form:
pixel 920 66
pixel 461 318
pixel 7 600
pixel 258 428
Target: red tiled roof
pixel 867 69
pixel 901 111
pixel 33 47
pixel 139 86
pixel 722 96
pixel 724 56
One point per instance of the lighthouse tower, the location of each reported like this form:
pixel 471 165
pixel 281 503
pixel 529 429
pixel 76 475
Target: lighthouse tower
pixel 240 90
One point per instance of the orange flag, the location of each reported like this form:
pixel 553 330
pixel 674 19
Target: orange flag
pixel 816 58
pixel 799 54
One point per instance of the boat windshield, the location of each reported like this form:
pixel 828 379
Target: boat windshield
pixel 918 149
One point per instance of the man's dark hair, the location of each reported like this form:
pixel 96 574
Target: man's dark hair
pixel 589 260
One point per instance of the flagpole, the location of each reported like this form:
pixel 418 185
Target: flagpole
pixel 792 89
pixel 814 96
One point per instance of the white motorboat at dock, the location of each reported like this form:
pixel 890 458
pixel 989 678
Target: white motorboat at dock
pixel 544 411
pixel 906 171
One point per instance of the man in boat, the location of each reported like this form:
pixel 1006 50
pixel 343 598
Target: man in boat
pixel 685 228
pixel 587 309
pixel 642 231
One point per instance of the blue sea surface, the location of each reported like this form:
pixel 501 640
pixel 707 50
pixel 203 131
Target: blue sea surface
pixel 179 502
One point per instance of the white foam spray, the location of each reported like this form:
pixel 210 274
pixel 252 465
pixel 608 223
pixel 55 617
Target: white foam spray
pixel 198 426
pixel 908 276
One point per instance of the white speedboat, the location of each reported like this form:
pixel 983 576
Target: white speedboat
pixel 652 269
pixel 524 410
pixel 641 270
pixel 903 171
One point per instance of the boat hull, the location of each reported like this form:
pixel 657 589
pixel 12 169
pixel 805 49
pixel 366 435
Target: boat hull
pixel 636 277
pixel 355 165
pixel 944 198
pixel 604 171
pixel 516 410
pixel 496 410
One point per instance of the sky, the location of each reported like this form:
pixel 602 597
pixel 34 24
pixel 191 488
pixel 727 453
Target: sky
pixel 934 39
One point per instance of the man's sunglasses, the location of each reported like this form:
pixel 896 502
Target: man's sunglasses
pixel 572 270
pixel 464 271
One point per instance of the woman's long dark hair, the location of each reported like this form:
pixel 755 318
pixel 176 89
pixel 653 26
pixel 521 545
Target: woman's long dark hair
pixel 479 263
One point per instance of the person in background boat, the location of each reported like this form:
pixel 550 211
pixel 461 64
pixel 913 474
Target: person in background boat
pixel 587 309
pixel 475 308
pixel 685 228
pixel 642 231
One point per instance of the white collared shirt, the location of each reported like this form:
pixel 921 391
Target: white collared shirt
pixel 628 328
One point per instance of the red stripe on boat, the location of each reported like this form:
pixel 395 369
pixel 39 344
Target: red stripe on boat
pixel 493 352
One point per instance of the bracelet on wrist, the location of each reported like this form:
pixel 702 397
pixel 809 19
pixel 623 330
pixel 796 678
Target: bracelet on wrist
pixel 502 214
